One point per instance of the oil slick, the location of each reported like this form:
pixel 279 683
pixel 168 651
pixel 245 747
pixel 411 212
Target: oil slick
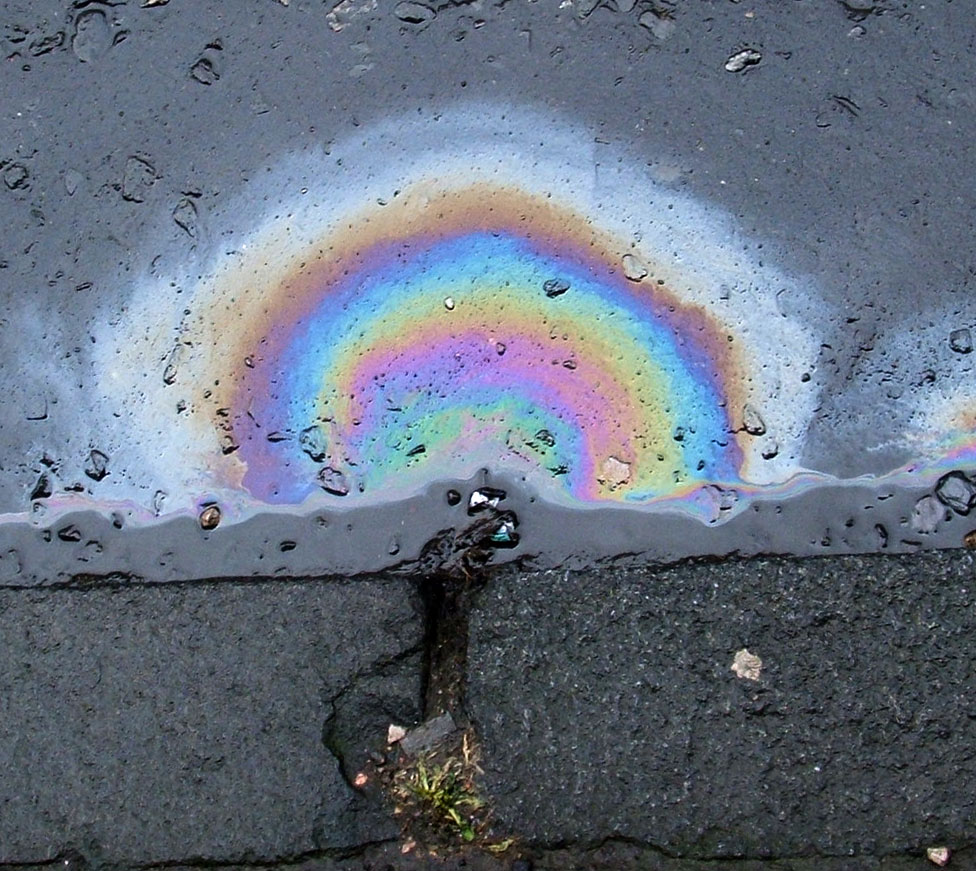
pixel 483 289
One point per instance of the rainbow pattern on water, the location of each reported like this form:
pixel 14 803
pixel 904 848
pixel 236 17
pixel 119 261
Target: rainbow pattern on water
pixel 443 295
pixel 485 328
pixel 454 294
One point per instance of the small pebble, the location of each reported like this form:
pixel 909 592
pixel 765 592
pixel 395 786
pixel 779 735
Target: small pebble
pixel 742 60
pixel 747 665
pixel 634 269
pixel 961 341
pixel 210 517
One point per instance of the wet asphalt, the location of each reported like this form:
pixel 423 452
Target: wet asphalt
pixel 208 721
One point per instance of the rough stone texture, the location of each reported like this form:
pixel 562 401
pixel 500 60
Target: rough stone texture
pixel 611 856
pixel 608 707
pixel 142 724
pixel 616 856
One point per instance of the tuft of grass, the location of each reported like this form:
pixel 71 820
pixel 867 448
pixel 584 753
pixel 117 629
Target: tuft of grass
pixel 441 787
pixel 437 800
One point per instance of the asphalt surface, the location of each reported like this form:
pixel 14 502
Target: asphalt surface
pixel 173 695
pixel 146 725
pixel 609 706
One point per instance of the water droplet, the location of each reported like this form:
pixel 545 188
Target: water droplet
pixel 449 303
pixel 453 497
pixel 210 517
pixel 770 449
pixel 882 532
pixel 42 489
pixel 186 216
pixel 742 60
pixel 961 341
pixel 500 349
pixel 927 514
pixel 92 549
pixel 484 497
pixel 752 421
pixel 555 287
pixel 139 176
pixel 47 44
pixel 333 481
pixel 97 466
pixel 858 10
pixel 722 498
pixel 312 441
pixel 69 533
pixel 394 546
pixel 204 71
pixel 543 436
pixel 661 25
pixel 72 178
pixel 414 13
pixel 16 177
pixel 957 491
pixel 93 36
pixel 634 268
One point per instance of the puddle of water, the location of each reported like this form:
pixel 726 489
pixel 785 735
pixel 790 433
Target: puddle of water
pixel 458 295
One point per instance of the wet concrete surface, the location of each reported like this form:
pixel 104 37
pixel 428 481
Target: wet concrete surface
pixel 609 706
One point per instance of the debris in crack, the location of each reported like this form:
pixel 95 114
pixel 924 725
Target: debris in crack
pixel 464 553
pixel 428 734
pixel 484 497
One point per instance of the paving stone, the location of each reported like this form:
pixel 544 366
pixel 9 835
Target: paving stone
pixel 608 706
pixel 159 724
